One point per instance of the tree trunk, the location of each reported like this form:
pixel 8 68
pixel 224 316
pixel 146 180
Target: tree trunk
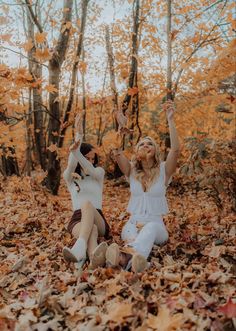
pixel 9 161
pixel 134 61
pixel 84 97
pixel 112 75
pixel 169 95
pixel 28 161
pixel 133 75
pixel 35 69
pixel 74 71
pixel 54 170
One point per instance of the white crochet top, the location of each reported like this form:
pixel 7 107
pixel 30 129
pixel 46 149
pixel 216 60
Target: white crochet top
pixel 153 202
pixel 90 187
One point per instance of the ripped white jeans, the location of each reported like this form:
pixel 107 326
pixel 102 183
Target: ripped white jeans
pixel 142 232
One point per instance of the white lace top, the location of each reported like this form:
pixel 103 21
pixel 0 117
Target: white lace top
pixel 153 202
pixel 90 187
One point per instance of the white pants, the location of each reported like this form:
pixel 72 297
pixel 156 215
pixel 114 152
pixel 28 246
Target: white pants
pixel 152 232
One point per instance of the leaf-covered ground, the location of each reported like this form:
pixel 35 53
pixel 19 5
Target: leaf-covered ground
pixel 190 284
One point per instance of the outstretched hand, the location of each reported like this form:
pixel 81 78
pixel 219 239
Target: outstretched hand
pixel 170 109
pixel 114 153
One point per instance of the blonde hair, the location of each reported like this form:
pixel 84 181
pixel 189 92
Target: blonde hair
pixel 139 174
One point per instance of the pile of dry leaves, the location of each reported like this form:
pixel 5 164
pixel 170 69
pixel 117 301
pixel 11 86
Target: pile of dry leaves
pixel 190 284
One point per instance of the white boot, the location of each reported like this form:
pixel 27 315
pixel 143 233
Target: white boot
pixel 98 258
pixel 77 252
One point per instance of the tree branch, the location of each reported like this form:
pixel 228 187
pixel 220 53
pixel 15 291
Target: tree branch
pixel 34 18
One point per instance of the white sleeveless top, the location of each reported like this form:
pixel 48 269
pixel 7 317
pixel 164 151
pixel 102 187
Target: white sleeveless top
pixel 153 202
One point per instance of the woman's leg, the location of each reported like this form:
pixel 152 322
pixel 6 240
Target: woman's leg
pixel 82 232
pixel 90 216
pixel 129 232
pixel 93 241
pixel 152 232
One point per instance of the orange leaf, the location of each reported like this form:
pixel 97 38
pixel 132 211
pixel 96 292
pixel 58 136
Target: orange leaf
pixel 132 91
pixel 6 37
pixel 28 45
pixel 229 309
pixel 52 148
pixel 51 88
pixel 83 67
pixel 42 54
pixel 40 37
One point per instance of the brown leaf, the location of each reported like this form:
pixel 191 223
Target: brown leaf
pixel 164 321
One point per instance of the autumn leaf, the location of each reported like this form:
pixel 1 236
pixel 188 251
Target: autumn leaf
pixel 66 26
pixel 133 91
pixel 28 45
pixel 43 54
pixel 6 37
pixel 40 38
pixel 229 309
pixel 83 67
pixel 51 88
pixel 164 321
pixel 174 34
pixel 118 311
pixel 52 148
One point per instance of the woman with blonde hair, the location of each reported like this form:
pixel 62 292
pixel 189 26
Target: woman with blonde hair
pixel 149 178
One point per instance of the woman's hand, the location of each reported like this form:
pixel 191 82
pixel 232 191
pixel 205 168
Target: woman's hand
pixel 170 109
pixel 74 146
pixel 114 154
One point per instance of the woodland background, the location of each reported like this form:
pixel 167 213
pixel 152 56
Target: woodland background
pixel 58 58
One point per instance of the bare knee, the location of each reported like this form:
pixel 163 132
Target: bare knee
pixel 86 205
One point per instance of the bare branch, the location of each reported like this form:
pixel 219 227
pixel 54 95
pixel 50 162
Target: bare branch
pixel 34 18
pixel 19 53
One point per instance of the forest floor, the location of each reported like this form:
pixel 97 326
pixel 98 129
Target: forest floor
pixel 190 284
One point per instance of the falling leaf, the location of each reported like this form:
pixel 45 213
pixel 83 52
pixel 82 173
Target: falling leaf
pixel 83 67
pixel 51 88
pixel 52 148
pixel 133 91
pixel 43 54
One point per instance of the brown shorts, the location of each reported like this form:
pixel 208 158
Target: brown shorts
pixel 76 218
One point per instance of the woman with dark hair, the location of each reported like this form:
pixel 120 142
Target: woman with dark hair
pixel 84 180
pixel 148 177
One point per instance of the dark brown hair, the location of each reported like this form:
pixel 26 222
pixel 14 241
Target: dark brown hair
pixel 85 148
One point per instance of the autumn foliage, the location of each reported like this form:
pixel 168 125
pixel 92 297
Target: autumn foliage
pixel 56 61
